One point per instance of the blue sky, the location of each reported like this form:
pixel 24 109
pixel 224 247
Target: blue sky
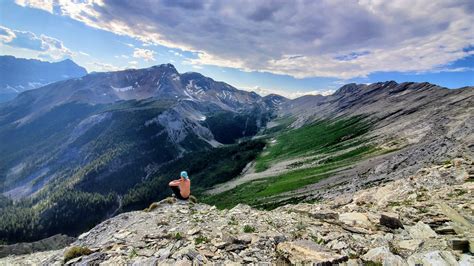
pixel 266 46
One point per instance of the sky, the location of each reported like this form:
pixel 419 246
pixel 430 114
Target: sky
pixel 269 46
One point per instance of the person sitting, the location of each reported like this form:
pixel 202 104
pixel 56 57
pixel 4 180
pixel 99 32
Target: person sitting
pixel 181 187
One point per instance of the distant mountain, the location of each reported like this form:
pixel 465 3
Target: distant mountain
pixel 18 74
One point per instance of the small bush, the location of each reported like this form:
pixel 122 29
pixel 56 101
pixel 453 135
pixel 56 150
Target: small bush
pixel 178 236
pixel 193 199
pixel 200 239
pixel 133 253
pixel 75 252
pixel 300 226
pixel 233 221
pixel 170 200
pixel 153 206
pixel 249 229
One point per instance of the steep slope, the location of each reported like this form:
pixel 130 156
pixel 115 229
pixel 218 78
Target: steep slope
pixel 361 136
pixel 103 137
pixel 18 74
pixel 421 220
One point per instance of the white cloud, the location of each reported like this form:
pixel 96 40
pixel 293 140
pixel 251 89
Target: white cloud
pixel 43 46
pixel 145 54
pixel 327 38
pixel 286 93
pixel 6 35
pixel 103 67
pixel 46 5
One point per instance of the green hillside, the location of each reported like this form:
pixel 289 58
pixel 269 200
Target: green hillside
pixel 331 145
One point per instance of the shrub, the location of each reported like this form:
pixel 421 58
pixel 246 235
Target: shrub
pixel 249 229
pixel 178 236
pixel 170 200
pixel 200 239
pixel 75 252
pixel 153 206
pixel 193 199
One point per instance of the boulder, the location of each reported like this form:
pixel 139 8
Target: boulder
pixel 433 258
pixel 308 252
pixel 459 244
pixel 390 220
pixel 421 231
pixel 355 219
pixel 383 256
pixel 324 215
pixel 466 260
pixel 411 245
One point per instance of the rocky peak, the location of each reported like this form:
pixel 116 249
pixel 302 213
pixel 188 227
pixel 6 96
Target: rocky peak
pixel 350 88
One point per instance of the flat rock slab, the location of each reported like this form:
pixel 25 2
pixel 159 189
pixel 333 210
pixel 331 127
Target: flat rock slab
pixel 308 252
pixel 421 231
pixel 355 219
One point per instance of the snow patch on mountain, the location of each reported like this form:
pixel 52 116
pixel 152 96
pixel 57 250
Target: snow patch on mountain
pixel 128 88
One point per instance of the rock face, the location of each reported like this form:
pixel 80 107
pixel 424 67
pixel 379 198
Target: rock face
pixel 50 243
pixel 349 234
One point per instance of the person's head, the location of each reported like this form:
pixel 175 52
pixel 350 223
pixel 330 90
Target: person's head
pixel 184 175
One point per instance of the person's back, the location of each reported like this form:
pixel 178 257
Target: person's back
pixel 181 187
pixel 185 188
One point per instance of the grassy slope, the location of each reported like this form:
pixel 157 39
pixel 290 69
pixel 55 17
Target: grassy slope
pixel 321 138
pixel 318 138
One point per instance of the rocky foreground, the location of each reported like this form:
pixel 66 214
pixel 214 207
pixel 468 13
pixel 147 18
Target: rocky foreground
pixel 425 219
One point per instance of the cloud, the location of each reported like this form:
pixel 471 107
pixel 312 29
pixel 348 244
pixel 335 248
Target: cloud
pixel 6 35
pixel 286 93
pixel 47 47
pixel 103 67
pixel 84 53
pixel 145 54
pixel 328 38
pixel 46 5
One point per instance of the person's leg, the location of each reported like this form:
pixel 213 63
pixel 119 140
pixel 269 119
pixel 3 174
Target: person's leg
pixel 176 192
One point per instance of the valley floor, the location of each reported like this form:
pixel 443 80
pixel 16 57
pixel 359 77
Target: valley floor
pixel 426 219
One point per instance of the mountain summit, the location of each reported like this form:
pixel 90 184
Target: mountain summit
pixel 18 74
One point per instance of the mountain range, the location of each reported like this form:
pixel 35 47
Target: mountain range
pixel 105 143
pixel 18 74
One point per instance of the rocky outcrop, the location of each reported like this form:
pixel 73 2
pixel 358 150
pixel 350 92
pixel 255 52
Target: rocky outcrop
pixel 399 223
pixel 50 243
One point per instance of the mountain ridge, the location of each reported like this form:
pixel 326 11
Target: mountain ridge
pixel 19 74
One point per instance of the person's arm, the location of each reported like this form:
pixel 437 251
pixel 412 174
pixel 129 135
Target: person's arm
pixel 174 183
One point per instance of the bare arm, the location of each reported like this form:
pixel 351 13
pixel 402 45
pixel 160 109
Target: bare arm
pixel 174 183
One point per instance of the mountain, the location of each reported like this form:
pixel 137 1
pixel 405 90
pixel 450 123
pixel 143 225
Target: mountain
pixel 319 147
pixel 411 221
pixel 18 74
pixel 109 141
